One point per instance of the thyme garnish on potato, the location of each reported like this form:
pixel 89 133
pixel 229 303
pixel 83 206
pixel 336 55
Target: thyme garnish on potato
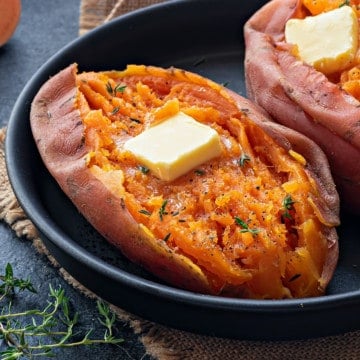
pixel 118 88
pixel 145 212
pixel 245 226
pixel 345 3
pixel 244 158
pixel 162 211
pixel 288 205
pixel 144 169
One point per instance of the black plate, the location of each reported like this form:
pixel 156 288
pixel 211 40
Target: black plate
pixel 204 36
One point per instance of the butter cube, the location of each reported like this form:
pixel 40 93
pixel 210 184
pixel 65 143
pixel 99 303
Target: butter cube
pixel 175 146
pixel 327 41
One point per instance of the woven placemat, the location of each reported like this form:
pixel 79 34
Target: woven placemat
pixel 161 342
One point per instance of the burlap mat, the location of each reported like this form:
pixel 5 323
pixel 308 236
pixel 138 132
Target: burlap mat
pixel 161 342
pixel 95 12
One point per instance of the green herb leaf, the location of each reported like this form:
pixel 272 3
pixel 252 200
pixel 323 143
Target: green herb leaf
pixel 244 158
pixel 115 110
pixel 345 3
pixel 11 284
pixel 167 236
pixel 143 169
pixel 145 212
pixel 162 211
pixel 109 88
pixel 36 333
pixel 288 204
pixel 245 226
pixel 119 88
pixel 199 172
pixel 8 272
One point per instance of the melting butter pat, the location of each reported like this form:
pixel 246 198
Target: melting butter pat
pixel 327 41
pixel 175 146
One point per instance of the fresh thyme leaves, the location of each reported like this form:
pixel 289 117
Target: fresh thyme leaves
pixel 115 110
pixel 287 204
pixel 109 88
pixel 345 3
pixel 39 332
pixel 162 211
pixel 11 284
pixel 108 320
pixel 143 169
pixel 199 172
pixel 118 88
pixel 145 212
pixel 244 158
pixel 167 236
pixel 245 226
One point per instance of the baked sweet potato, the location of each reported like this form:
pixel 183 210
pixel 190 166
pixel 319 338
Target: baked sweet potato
pixel 302 98
pixel 259 221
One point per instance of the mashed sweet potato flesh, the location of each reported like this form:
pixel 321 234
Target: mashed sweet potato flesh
pixel 246 218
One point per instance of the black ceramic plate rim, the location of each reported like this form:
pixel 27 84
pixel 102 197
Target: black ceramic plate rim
pixel 55 234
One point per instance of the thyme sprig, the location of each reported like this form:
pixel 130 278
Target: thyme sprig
pixel 115 110
pixel 244 158
pixel 145 212
pixel 162 211
pixel 144 169
pixel 199 172
pixel 167 236
pixel 39 332
pixel 118 88
pixel 288 205
pixel 345 3
pixel 10 283
pixel 245 226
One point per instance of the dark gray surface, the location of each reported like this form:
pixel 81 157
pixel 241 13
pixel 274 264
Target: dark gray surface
pixel 45 27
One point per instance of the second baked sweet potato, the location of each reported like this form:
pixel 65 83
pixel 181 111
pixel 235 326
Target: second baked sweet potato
pixel 302 98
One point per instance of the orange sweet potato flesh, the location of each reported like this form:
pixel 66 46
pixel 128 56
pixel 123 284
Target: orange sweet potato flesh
pixel 299 97
pixel 257 222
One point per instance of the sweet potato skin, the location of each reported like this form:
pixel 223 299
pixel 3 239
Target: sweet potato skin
pixel 58 132
pixel 299 97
